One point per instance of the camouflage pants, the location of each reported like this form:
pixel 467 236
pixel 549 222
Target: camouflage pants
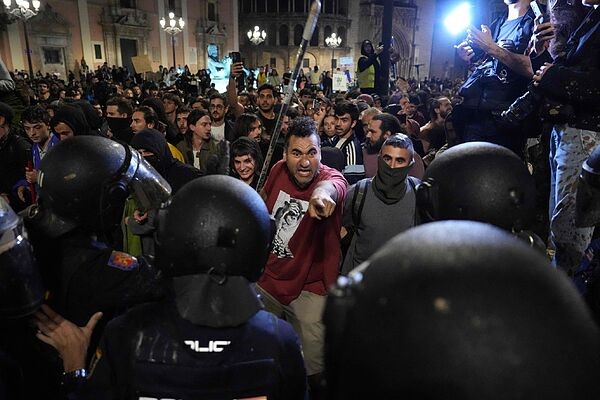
pixel 569 148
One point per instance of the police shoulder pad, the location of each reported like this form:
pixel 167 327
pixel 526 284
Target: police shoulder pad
pixel 122 261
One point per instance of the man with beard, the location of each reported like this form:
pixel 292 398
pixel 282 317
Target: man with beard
pixel 381 127
pixel 181 119
pixel 118 118
pixel 44 96
pixel 366 116
pixel 346 114
pixel 501 76
pixel 220 128
pixel 304 197
pixel 379 208
pixel 266 103
pixel 433 134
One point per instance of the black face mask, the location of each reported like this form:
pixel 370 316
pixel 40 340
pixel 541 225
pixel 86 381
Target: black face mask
pixel 389 185
pixel 117 125
pixel 155 162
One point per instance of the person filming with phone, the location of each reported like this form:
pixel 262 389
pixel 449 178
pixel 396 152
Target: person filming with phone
pixel 502 72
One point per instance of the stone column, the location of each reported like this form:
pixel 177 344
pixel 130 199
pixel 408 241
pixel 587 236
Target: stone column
pixel 84 27
pixel 15 46
pixel 164 59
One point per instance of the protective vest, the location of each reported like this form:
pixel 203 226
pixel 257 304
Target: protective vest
pixel 366 78
pixel 169 357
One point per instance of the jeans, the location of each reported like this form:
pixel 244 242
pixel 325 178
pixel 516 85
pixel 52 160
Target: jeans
pixel 569 148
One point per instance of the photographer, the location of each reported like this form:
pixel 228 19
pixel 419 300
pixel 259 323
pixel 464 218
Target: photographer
pixel 573 80
pixel 501 76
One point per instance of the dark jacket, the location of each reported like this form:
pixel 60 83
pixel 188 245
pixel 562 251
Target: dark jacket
pixel 575 78
pixel 14 155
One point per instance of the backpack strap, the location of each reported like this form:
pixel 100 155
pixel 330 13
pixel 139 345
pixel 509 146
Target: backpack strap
pixel 413 186
pixel 360 193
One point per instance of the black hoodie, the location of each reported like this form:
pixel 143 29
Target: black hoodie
pixel 74 118
pixel 174 171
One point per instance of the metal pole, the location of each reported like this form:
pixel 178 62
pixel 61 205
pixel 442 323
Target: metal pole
pixel 386 38
pixel 309 28
pixel 332 58
pixel 173 44
pixel 27 49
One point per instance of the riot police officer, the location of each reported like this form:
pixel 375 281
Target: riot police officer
pixel 459 310
pixel 484 182
pixel 84 182
pixel 210 339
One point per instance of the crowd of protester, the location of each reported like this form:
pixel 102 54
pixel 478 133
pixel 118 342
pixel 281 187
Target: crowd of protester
pixel 344 175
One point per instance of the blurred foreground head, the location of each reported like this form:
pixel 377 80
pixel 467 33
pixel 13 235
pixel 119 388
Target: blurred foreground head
pixel 459 310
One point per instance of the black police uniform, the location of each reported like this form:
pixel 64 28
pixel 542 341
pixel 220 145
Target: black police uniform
pixel 94 277
pixel 210 339
pixel 152 352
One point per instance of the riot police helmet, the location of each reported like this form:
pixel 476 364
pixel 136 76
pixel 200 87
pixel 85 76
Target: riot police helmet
pixel 459 310
pixel 84 182
pixel 215 223
pixel 214 239
pixel 481 182
pixel 21 287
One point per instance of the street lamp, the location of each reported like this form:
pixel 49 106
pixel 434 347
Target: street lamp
pixel 23 12
pixel 257 36
pixel 333 41
pixel 173 28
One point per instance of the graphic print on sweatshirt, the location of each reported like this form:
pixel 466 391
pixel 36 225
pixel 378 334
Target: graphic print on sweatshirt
pixel 288 213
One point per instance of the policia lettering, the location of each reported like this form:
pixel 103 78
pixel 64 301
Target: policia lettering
pixel 214 346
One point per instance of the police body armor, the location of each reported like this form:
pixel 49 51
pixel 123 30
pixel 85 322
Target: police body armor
pixel 173 358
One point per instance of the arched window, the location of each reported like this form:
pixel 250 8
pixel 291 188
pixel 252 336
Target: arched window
pixel 284 35
pixel 326 34
pixel 272 35
pixel 342 34
pixel 314 40
pixel 298 29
